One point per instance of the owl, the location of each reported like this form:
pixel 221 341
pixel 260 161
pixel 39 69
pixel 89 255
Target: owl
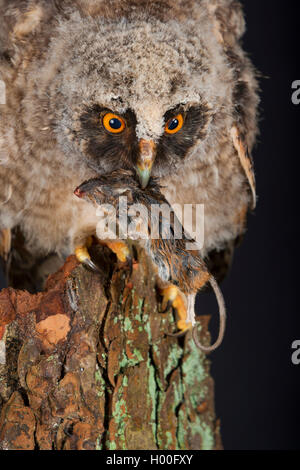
pixel 159 87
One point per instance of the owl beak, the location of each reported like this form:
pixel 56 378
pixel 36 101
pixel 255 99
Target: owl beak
pixel 147 154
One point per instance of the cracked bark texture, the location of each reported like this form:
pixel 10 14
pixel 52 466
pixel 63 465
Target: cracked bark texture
pixel 89 365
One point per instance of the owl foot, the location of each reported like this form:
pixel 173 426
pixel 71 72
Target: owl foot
pixel 83 256
pixel 120 249
pixel 173 297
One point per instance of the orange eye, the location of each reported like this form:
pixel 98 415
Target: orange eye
pixel 174 124
pixel 113 123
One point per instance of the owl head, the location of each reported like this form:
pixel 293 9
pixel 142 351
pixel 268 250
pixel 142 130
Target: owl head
pixel 142 91
pixel 138 85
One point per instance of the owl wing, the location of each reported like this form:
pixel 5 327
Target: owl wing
pixel 229 26
pixel 246 161
pixel 219 262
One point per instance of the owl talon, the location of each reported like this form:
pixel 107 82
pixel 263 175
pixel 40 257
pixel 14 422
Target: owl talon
pixel 90 264
pixel 121 250
pixel 83 256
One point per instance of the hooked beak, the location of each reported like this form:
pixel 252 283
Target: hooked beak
pixel 147 154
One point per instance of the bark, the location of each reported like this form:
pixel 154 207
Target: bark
pixel 88 365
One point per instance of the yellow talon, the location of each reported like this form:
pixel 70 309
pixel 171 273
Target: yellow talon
pixel 83 256
pixel 120 249
pixel 81 252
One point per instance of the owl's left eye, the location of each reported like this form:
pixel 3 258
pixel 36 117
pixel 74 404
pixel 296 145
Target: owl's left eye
pixel 113 123
pixel 174 124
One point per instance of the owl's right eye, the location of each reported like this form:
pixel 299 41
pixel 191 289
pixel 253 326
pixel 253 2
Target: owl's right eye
pixel 174 124
pixel 113 123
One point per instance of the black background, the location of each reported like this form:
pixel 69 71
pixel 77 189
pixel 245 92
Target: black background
pixel 257 386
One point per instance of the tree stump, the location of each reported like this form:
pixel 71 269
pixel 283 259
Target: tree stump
pixel 87 364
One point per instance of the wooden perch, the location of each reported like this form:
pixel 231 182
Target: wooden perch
pixel 89 366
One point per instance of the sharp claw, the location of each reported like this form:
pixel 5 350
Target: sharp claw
pixel 83 256
pixel 90 264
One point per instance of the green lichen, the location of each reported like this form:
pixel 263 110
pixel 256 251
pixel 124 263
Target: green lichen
pixel 118 318
pixel 178 394
pixel 100 383
pixel 50 358
pixel 169 440
pixel 206 433
pixel 128 325
pixel 175 354
pixel 148 328
pixel 159 384
pixel 193 368
pixel 99 442
pixel 120 416
pixel 98 376
pixel 126 362
pixel 139 309
pixel 181 431
pixel 153 397
pixel 163 438
pixel 111 445
pixel 138 355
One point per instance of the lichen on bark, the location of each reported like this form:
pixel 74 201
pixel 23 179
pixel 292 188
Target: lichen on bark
pixel 89 365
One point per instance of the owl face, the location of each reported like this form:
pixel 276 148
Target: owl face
pixel 134 95
pixel 111 141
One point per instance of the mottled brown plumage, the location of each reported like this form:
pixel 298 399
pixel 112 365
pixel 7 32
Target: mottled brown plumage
pixel 65 63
